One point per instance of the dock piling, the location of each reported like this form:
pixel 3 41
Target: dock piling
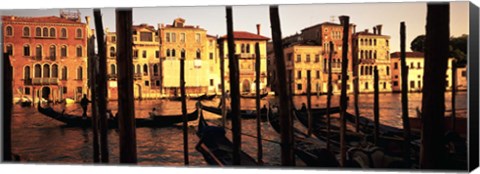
pixel 257 103
pixel 8 103
pixel 184 110
pixel 329 92
pixel 343 96
pixel 309 103
pixel 404 77
pixel 454 93
pixel 376 113
pixel 93 96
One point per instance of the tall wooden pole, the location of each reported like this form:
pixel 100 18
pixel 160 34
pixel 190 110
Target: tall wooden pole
pixel 234 89
pixel 454 93
pixel 222 83
pixel 329 91
pixel 433 152
pixel 375 105
pixel 184 110
pixel 8 104
pixel 356 88
pixel 285 109
pixel 257 103
pixel 126 107
pixel 343 96
pixel 92 66
pixel 102 86
pixel 404 76
pixel 309 103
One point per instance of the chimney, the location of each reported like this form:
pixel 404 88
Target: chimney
pixel 258 29
pixel 162 25
pixel 379 28
pixel 366 30
pixel 354 28
pixel 374 30
pixel 159 26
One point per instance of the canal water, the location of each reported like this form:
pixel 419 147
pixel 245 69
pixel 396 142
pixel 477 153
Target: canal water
pixel 39 139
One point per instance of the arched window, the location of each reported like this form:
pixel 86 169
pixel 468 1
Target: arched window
pixel 388 70
pixel 9 49
pixel 113 70
pixel 46 71
pixel 168 52
pixel 198 54
pixel 370 54
pixel 182 54
pixel 361 70
pixel 45 32
pixel 63 51
pixel 112 52
pixel 53 52
pixel 174 53
pixel 243 48
pixel 361 54
pixel 79 51
pixel 375 42
pixel 38 32
pixel 55 71
pixel 155 70
pixel 145 69
pixel 370 71
pixel 38 52
pixel 9 31
pixel 26 31
pixel 79 33
pixel 64 73
pixel 248 48
pixel 138 69
pixel 63 33
pixel 38 71
pixel 26 72
pixel 375 54
pixel 79 73
pixel 52 32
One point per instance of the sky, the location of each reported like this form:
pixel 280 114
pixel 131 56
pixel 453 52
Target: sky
pixel 293 17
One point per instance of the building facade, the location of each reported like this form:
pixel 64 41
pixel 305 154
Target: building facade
pixel 48 55
pixel 415 64
pixel 245 53
pixel 371 50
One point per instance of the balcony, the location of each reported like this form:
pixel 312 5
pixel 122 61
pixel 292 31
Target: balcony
pixel 367 61
pixel 137 76
pixel 246 56
pixel 45 81
pixel 112 76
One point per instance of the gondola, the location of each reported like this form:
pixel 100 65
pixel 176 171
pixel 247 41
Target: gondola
pixel 203 97
pixel 254 96
pixel 153 122
pixel 175 98
pixel 246 114
pixel 216 148
pixel 367 126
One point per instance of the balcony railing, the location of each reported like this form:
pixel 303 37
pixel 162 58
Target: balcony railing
pixel 246 56
pixel 45 81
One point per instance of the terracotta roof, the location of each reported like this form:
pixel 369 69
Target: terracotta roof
pixel 211 36
pixel 43 19
pixel 246 35
pixel 149 27
pixel 407 54
pixel 185 26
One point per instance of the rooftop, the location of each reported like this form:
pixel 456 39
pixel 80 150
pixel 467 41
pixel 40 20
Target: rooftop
pixel 246 35
pixel 43 19
pixel 407 54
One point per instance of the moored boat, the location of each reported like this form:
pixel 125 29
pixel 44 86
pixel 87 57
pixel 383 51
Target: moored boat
pixel 246 114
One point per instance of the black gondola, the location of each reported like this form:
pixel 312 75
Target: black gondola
pixel 203 97
pixel 246 114
pixel 77 121
pixel 216 148
pixel 254 96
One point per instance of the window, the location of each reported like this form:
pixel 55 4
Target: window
pixel 243 48
pixel 168 53
pixel 197 37
pixel 53 52
pixel 289 57
pixel 26 32
pixel 79 33
pixel 135 54
pixel 299 58
pixel 182 37
pixel 146 36
pixel 26 72
pixel 325 64
pixel 308 58
pixel 174 37
pixel 147 83
pixel 420 84
pixel 138 69
pixel 45 32
pixel 366 85
pixel 155 70
pixel 396 76
pixel 63 33
pixel 64 90
pixel 299 86
pixel 318 74
pixel 79 73
pixel 384 85
pixel 9 49
pixel 46 70
pixel 27 91
pixel 38 52
pixel 38 71
pixel 167 37
pixel 395 83
pixel 211 56
pixel 248 48
pixel 64 73
pixel 375 54
pixel 52 32
pixel 26 50
pixel 412 84
pixel 395 65
pixel 157 82
pixel 418 65
pixel 386 42
pixel 375 42
pixel 145 69
pixel 198 54
pixel 38 32
pixel 113 70
pixel 464 73
pixel 317 58
pixel 157 54
pixel 299 74
pixel 411 65
pixel 112 51
pixel 63 51
pixel 211 82
pixel 144 53
pixel 79 51
pixel 113 39
pixel 174 53
pixel 388 70
pixel 55 71
pixel 9 31
pixel 182 54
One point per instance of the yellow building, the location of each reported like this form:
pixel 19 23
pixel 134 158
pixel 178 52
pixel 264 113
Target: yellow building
pixel 146 62
pixel 415 64
pixel 371 50
pixel 190 42
pixel 245 52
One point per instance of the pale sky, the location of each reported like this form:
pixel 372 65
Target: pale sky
pixel 293 17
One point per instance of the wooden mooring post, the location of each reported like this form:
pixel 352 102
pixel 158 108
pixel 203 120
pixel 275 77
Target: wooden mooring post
pixel 102 86
pixel 433 152
pixel 285 110
pixel 222 83
pixel 184 110
pixel 8 104
pixel 454 93
pixel 234 90
pixel 376 116
pixel 126 107
pixel 257 104
pixel 329 92
pixel 404 76
pixel 309 103
pixel 356 89
pixel 92 69
pixel 344 20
